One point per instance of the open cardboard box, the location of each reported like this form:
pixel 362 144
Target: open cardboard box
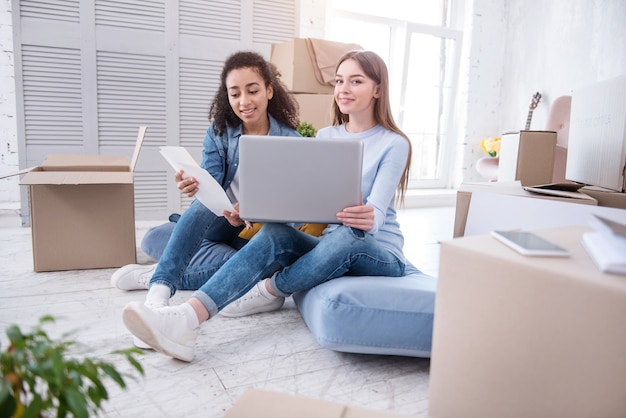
pixel 521 336
pixel 82 211
pixel 297 69
pixel 257 403
pixel 605 197
pixel 527 156
pixel 513 188
pixel 307 65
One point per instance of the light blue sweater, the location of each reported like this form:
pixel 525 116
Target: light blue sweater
pixel 384 157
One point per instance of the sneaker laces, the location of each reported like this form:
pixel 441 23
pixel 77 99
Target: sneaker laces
pixel 254 294
pixel 144 279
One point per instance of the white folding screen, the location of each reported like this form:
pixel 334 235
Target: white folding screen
pixel 90 72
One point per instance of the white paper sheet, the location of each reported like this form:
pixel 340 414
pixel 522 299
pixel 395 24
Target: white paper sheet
pixel 210 193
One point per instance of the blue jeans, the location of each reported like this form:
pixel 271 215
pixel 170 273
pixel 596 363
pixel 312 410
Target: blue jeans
pixel 192 249
pixel 303 262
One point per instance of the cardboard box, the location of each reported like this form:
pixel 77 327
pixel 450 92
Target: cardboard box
pixel 256 403
pixel 464 197
pixel 315 109
pixel 527 156
pixel 308 65
pixel 520 336
pixel 82 211
pixel 608 198
pixel 295 64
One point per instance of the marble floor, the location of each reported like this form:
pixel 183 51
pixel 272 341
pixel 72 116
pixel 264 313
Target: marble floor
pixel 272 351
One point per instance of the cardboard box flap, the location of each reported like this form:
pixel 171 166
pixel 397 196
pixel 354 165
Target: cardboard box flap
pixel 16 173
pixel 80 162
pixel 262 403
pixel 77 177
pixel 325 55
pixel 259 403
pixel 140 136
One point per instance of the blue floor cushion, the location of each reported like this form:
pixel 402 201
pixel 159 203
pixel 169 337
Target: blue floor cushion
pixel 372 315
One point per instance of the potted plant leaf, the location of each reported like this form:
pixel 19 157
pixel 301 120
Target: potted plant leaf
pixel 38 377
pixel 306 129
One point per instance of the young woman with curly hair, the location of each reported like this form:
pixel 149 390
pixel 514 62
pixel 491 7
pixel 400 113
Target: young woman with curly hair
pixel 250 100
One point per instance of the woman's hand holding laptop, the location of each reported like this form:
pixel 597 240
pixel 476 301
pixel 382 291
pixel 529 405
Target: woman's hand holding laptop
pixel 359 217
pixel 234 219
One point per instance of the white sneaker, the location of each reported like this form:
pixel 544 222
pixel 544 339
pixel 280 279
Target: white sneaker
pixel 152 305
pixel 164 329
pixel 140 344
pixel 251 303
pixel 133 277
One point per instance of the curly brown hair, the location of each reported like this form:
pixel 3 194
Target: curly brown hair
pixel 283 107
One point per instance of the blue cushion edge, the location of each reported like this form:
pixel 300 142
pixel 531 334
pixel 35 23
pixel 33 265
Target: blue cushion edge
pixel 372 315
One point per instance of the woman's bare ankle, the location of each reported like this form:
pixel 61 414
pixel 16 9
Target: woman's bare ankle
pixel 200 310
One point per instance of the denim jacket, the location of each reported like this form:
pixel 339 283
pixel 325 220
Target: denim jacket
pixel 220 154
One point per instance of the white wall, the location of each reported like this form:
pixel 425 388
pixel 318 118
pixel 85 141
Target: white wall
pixel 553 47
pixel 9 188
pixel 481 81
pixel 512 49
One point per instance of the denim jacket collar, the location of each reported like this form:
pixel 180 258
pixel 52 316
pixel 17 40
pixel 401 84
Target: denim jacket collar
pixel 234 133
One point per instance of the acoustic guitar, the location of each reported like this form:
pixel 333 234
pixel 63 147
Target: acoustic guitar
pixel 533 105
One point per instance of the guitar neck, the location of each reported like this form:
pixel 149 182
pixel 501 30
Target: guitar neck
pixel 529 118
pixel 533 104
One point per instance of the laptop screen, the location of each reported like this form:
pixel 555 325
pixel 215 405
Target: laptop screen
pixel 298 179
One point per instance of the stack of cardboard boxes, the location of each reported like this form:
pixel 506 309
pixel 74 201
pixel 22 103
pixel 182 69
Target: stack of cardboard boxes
pixel 307 68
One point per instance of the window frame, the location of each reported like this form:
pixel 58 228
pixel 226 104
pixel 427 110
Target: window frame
pixel 398 65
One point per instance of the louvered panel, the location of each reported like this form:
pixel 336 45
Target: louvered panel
pixel 185 201
pixel 198 82
pixel 52 92
pixel 130 76
pixel 218 19
pixel 131 93
pixel 150 189
pixel 138 14
pixel 63 10
pixel 273 21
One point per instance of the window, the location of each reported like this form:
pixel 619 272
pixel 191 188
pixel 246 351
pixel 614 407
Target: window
pixel 423 55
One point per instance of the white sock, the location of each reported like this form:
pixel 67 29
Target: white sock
pixel 263 290
pixel 190 314
pixel 158 294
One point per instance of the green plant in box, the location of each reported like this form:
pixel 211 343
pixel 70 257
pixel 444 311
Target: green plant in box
pixel 38 379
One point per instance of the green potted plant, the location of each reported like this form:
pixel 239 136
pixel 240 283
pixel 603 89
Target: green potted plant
pixel 306 129
pixel 38 378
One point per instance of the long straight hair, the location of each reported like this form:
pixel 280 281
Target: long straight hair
pixel 374 68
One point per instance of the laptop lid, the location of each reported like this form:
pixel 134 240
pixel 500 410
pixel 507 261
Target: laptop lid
pixel 294 179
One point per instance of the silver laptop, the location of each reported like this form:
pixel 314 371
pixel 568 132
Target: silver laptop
pixel 293 179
